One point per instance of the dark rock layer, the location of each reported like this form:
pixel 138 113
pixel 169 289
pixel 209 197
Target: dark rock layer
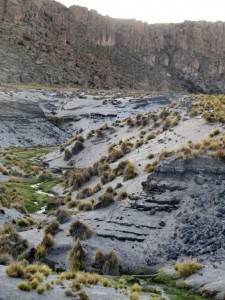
pixel 180 214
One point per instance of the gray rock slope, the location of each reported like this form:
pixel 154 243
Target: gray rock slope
pixel 180 214
pixel 24 123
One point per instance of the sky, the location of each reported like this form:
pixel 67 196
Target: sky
pixel 156 11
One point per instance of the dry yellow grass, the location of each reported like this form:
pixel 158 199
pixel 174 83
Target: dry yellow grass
pixel 188 267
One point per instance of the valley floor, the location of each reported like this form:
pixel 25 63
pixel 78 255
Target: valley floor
pixel 113 183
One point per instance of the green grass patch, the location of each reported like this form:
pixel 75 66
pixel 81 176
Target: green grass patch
pixel 176 290
pixel 184 294
pixel 24 162
pixel 165 278
pixel 26 194
pixel 30 152
pixel 46 186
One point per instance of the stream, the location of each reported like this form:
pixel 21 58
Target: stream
pixel 40 192
pixel 162 293
pixel 159 290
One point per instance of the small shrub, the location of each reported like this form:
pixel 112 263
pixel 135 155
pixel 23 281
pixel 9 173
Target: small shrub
pixel 77 148
pixel 15 270
pixel 151 155
pixel 126 147
pixel 40 251
pixel 129 172
pixel 149 168
pixel 85 206
pixel 53 203
pixel 80 138
pixel 52 227
pixel 151 136
pixel 34 283
pixel 80 230
pixel 214 133
pixel 67 275
pixel 24 286
pixel 25 222
pixel 104 200
pixel 76 285
pixel 85 193
pixel 47 241
pixel 76 257
pixel 118 186
pixel 109 190
pixel 136 288
pixel 115 155
pixel 166 124
pixel 82 295
pixel 73 204
pixel 62 216
pixel 67 155
pixel 188 267
pixel 87 278
pixel 97 188
pixel 35 269
pixel 174 122
pixel 164 114
pixel 123 195
pixel 108 263
pixel 106 282
pixel 39 277
pixel 134 296
pixel 106 177
pixel 40 289
pixel 5 259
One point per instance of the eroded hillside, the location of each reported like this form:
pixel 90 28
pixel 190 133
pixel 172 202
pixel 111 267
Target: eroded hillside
pixel 112 183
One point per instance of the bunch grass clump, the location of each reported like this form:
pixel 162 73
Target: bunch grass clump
pixel 210 107
pixel 52 228
pixel 79 230
pixel 188 267
pixel 107 263
pixel 76 257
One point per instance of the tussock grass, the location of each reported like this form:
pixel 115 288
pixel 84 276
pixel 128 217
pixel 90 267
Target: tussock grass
pixel 24 286
pixel 79 230
pixel 76 257
pixel 107 263
pixel 188 267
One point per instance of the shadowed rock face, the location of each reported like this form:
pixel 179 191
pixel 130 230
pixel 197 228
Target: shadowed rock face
pixel 57 45
pixel 23 123
pixel 180 214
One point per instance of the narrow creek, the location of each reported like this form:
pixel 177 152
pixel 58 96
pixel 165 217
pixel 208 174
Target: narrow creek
pixel 162 292
pixel 156 290
pixel 37 189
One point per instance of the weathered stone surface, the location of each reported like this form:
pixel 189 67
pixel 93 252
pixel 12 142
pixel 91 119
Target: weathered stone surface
pixel 24 120
pixel 175 218
pixel 93 47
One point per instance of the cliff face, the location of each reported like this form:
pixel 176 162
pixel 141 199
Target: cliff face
pixel 46 42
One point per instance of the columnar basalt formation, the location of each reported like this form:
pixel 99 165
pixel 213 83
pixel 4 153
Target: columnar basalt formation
pixel 55 44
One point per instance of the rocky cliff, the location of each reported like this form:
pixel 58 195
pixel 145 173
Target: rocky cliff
pixel 43 41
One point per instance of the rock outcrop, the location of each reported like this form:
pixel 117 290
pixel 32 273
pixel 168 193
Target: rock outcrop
pixel 179 215
pixel 43 41
pixel 24 122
